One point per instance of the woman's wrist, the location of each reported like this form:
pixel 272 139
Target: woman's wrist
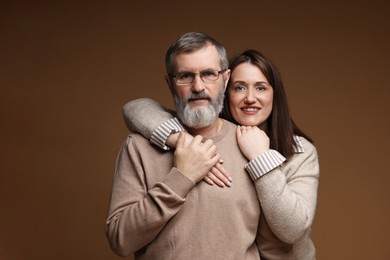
pixel 172 139
pixel 264 163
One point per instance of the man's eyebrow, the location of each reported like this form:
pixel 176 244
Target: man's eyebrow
pixel 189 71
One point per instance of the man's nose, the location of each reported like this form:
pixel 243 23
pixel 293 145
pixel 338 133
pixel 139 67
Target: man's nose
pixel 197 84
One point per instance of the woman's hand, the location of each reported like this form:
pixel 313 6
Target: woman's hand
pixel 252 141
pixel 217 175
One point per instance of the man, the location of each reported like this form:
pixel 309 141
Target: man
pixel 158 207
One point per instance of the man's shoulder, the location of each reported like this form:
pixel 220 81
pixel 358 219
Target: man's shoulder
pixel 139 144
pixel 227 132
pixel 136 139
pixel 228 122
pixel 229 126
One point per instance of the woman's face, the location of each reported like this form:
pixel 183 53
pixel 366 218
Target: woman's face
pixel 250 96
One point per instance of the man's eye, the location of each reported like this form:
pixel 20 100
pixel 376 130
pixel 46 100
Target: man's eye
pixel 208 73
pixel 185 75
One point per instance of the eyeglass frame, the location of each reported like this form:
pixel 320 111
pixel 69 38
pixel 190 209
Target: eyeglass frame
pixel 196 73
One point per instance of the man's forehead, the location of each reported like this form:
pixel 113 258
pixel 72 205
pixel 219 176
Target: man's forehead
pixel 205 58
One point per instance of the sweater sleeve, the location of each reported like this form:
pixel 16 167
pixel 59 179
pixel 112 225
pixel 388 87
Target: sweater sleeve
pixel 144 115
pixel 137 214
pixel 288 199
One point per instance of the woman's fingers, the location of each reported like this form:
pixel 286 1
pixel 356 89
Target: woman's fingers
pixel 219 176
pixel 208 180
pixel 214 179
pixel 222 170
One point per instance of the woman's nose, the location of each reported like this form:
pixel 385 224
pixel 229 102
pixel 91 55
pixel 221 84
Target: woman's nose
pixel 250 96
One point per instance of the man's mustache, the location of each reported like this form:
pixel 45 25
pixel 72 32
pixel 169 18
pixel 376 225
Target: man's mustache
pixel 201 95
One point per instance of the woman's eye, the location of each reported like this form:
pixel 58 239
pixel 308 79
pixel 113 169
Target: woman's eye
pixel 239 88
pixel 260 88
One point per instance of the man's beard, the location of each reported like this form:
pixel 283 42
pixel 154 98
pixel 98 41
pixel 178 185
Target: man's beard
pixel 200 116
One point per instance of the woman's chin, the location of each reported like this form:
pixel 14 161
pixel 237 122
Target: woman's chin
pixel 249 122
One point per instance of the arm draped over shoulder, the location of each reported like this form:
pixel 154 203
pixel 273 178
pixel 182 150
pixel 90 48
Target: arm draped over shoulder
pixel 144 115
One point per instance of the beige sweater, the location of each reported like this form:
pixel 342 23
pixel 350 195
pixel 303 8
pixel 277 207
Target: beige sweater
pixel 158 213
pixel 287 194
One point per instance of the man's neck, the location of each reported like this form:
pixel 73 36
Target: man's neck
pixel 207 131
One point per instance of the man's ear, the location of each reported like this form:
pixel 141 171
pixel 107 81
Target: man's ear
pixel 169 82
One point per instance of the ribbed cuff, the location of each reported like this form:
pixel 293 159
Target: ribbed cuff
pixel 161 133
pixel 178 182
pixel 264 163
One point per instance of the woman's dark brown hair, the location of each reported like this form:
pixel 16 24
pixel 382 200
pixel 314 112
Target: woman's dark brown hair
pixel 280 126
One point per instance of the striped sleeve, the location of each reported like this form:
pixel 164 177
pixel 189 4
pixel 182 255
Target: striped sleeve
pixel 162 132
pixel 264 163
pixel 298 147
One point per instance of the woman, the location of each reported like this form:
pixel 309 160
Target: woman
pixel 283 162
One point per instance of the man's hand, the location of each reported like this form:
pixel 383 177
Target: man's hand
pixel 172 139
pixel 196 158
pixel 217 175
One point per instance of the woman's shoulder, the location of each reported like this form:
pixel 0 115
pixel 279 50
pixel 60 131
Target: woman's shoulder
pixel 304 145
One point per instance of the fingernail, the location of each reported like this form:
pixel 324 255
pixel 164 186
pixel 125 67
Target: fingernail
pixel 222 184
pixel 230 178
pixel 228 183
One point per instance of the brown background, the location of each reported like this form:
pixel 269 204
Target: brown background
pixel 67 69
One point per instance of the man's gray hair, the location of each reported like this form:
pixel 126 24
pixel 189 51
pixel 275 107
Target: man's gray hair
pixel 191 42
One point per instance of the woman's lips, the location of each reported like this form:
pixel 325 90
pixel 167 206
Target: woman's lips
pixel 250 110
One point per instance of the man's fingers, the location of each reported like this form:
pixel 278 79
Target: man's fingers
pixel 180 140
pixel 197 139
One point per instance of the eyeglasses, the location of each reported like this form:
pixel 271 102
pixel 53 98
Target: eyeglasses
pixel 186 77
